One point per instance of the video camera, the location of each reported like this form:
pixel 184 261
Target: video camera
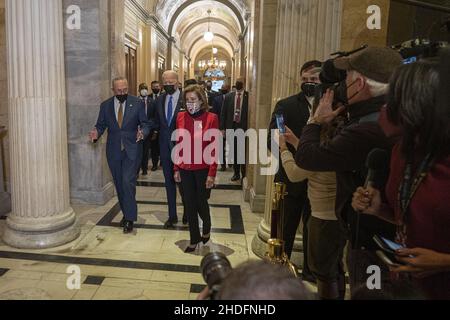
pixel 418 49
pixel 334 79
pixel 215 267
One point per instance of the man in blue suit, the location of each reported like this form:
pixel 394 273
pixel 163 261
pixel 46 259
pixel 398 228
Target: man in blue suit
pixel 127 124
pixel 167 107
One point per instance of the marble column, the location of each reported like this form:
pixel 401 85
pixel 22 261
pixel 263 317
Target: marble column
pixel 170 48
pixel 91 61
pixel 41 215
pixel 305 30
pixel 262 62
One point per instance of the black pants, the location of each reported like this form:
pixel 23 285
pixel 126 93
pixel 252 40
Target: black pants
pixel 196 194
pixel 154 147
pixel 239 169
pixel 144 164
pixel 296 208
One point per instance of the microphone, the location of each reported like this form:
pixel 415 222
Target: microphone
pixel 377 164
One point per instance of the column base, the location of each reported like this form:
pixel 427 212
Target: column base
pixel 246 189
pixel 5 203
pixel 95 197
pixel 257 202
pixel 259 245
pixel 39 234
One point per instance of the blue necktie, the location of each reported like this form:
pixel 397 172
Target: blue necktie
pixel 170 110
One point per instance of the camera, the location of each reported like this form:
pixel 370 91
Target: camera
pixel 215 267
pixel 418 49
pixel 334 79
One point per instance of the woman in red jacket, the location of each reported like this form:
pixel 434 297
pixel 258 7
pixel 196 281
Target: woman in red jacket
pixel 195 159
pixel 417 192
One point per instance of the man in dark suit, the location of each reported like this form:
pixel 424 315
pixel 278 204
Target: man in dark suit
pixel 217 109
pixel 210 93
pixel 296 111
pixel 154 138
pixel 145 98
pixel 127 124
pixel 234 116
pixel 167 107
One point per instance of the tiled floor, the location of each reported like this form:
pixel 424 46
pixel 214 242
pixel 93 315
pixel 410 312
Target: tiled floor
pixel 148 264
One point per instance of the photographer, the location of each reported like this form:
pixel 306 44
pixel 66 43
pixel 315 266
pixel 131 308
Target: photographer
pixel 253 280
pixel 416 197
pixel 362 95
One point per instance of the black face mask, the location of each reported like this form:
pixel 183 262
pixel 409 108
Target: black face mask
pixel 208 88
pixel 169 89
pixel 122 97
pixel 341 93
pixel 239 86
pixel 309 89
pixel 156 91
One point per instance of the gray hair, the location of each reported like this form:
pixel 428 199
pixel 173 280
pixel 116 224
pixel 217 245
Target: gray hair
pixel 376 88
pixel 118 79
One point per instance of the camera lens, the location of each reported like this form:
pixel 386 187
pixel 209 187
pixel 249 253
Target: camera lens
pixel 215 267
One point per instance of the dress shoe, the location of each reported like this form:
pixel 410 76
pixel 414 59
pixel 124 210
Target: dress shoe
pixel 206 240
pixel 192 248
pixel 145 173
pixel 128 227
pixel 235 178
pixel 170 224
pixel 155 168
pixel 185 220
pixel 223 169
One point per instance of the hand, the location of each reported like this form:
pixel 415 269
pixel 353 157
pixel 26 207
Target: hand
pixel 93 135
pixel 324 113
pixel 210 182
pixel 177 177
pixel 291 138
pixel 367 201
pixel 140 135
pixel 204 295
pixel 422 262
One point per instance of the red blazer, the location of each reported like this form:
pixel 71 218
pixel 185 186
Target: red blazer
pixel 197 127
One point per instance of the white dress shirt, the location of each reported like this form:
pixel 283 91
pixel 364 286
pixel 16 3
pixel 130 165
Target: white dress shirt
pixel 117 107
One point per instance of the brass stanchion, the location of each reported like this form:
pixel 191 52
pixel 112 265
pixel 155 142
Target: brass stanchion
pixel 276 253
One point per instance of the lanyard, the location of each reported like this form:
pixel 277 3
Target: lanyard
pixel 407 190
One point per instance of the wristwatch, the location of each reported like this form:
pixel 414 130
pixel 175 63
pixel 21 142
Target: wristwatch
pixel 313 120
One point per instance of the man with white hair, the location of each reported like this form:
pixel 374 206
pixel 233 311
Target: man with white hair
pixel 167 107
pixel 363 95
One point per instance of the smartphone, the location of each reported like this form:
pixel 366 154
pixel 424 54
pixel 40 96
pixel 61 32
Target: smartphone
pixel 280 123
pixel 387 260
pixel 388 250
pixel 387 245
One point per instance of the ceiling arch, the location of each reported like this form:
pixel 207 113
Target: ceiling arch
pixel 170 11
pixel 199 44
pixel 198 32
pixel 187 28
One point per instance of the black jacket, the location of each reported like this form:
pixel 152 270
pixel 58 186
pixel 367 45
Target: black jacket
pixel 295 111
pixel 227 115
pixel 346 154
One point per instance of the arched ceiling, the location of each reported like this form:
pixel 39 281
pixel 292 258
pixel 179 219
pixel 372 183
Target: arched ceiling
pixel 200 44
pixel 187 21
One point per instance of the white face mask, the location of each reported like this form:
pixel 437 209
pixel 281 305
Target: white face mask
pixel 144 92
pixel 193 107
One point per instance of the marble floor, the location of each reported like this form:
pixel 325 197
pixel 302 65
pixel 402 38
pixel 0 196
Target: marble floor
pixel 148 264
